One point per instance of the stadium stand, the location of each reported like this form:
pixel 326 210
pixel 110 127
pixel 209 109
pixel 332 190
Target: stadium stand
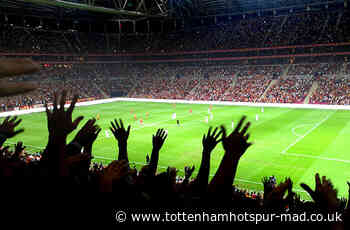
pixel 321 81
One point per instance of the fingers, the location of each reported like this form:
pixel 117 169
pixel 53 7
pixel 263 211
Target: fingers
pixel 223 131
pixel 218 134
pixel 72 105
pixel 317 181
pixel 17 123
pixel 209 131
pixel 6 120
pixel 116 123
pixel 63 100
pixel 12 119
pixel 97 132
pixel 121 124
pixel 113 128
pixel 244 130
pixel 77 121
pixel 18 132
pixel 55 102
pixel 128 131
pixel 240 123
pixel 307 189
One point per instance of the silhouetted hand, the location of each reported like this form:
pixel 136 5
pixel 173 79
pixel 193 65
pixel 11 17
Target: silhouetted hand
pixel 210 140
pixel 235 146
pixel 18 150
pixel 275 197
pixel 59 120
pixel 237 142
pixel 87 134
pixel 119 132
pixel 158 139
pixel 324 195
pixel 157 142
pixel 7 127
pixel 122 135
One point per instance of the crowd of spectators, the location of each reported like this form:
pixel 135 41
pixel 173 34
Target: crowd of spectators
pixel 289 90
pixel 332 90
pixel 247 32
pixel 240 83
pixel 252 81
pixel 91 81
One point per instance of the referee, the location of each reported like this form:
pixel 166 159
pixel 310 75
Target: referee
pixel 178 122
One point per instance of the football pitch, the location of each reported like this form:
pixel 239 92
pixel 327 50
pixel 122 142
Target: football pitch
pixel 294 143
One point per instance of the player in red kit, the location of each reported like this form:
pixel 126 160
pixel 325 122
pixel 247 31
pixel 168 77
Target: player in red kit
pixel 135 118
pixel 141 121
pixel 190 111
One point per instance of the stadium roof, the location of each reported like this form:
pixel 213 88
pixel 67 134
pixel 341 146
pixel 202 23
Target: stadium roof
pixel 117 9
pixel 140 9
pixel 227 7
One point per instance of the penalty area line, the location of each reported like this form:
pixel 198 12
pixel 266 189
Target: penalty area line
pixel 307 133
pixel 316 157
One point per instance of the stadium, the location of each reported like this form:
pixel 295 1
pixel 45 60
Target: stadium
pixel 179 103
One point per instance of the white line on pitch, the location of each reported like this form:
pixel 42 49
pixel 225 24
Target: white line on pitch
pixel 317 157
pixel 297 127
pixel 307 133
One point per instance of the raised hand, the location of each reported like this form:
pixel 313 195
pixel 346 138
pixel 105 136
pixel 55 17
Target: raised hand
pixel 87 134
pixel 7 127
pixel 59 120
pixel 119 132
pixel 18 150
pixel 157 141
pixel 235 146
pixel 122 135
pixel 210 140
pixel 60 124
pixel 275 197
pixel 159 138
pixel 237 142
pixel 324 195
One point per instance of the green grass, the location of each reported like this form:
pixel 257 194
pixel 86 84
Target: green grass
pixel 294 143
